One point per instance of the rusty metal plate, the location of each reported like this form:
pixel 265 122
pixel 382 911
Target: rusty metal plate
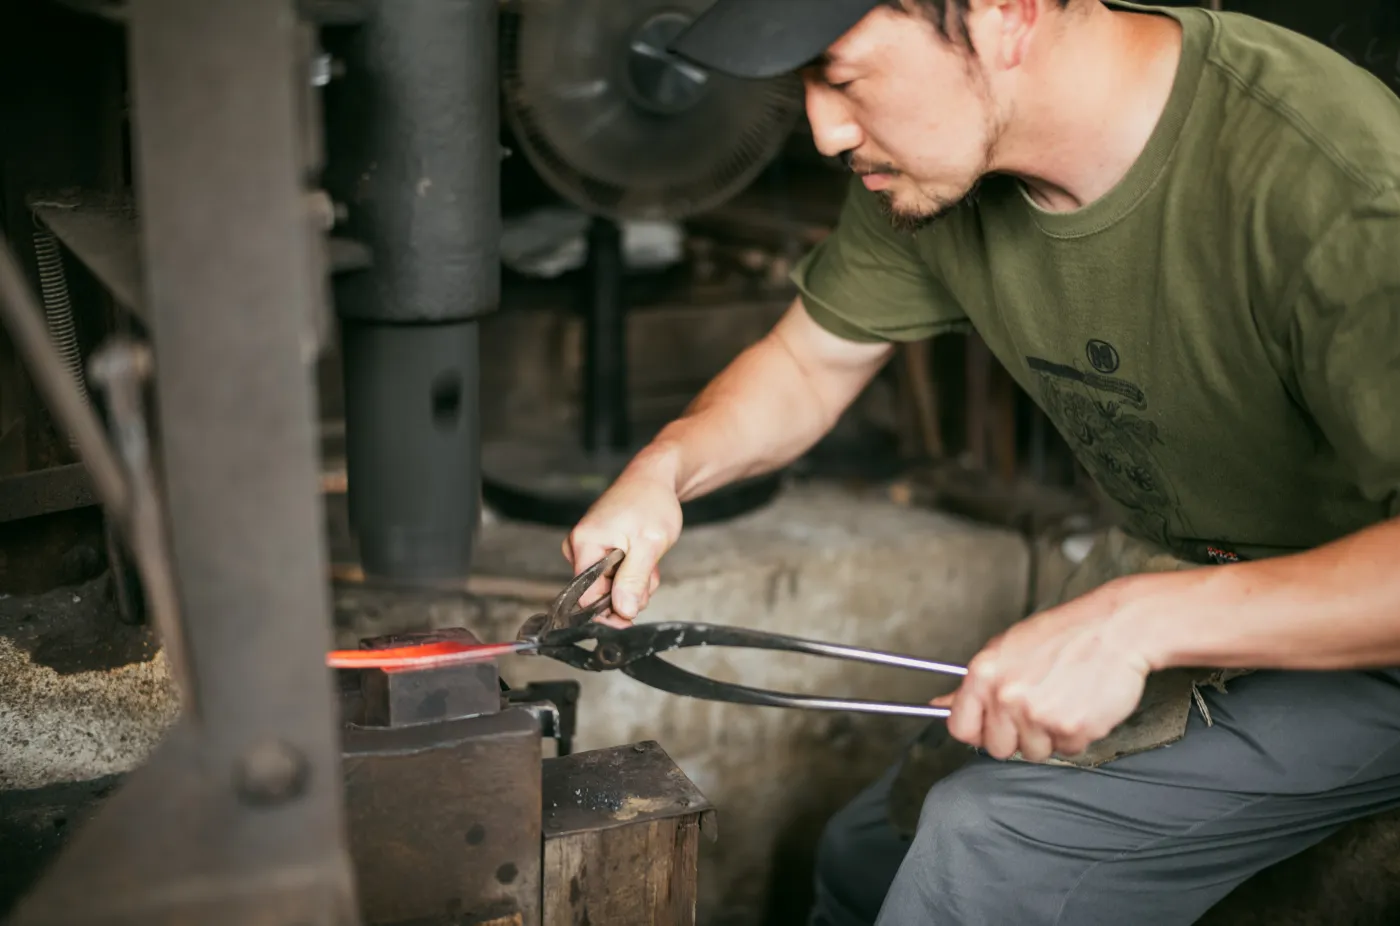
pixel 444 820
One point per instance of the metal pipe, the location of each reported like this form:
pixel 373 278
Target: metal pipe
pixel 415 152
pixel 122 368
pixel 24 318
pixel 605 414
pixel 412 442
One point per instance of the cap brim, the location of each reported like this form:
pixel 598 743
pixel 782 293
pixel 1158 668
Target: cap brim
pixel 758 39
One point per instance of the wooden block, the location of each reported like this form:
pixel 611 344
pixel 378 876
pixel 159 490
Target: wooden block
pixel 621 839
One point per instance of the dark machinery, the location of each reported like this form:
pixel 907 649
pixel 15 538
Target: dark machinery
pixel 290 157
pixel 414 153
pixel 622 130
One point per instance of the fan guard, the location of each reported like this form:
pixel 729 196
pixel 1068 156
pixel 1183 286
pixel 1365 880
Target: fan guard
pixel 621 128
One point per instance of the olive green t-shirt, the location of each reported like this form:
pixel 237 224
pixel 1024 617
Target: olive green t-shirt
pixel 1218 337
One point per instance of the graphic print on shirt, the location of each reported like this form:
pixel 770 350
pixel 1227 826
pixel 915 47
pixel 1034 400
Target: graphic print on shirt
pixel 1100 415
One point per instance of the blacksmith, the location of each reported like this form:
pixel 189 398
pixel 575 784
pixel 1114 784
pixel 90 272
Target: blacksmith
pixel 1179 230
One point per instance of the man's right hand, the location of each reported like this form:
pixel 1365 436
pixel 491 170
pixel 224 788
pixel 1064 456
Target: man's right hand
pixel 639 514
pixel 768 407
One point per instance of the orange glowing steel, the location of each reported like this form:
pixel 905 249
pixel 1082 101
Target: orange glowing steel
pixel 421 656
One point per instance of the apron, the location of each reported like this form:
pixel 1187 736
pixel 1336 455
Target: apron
pixel 1159 720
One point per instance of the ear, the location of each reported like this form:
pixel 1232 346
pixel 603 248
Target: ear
pixel 1001 29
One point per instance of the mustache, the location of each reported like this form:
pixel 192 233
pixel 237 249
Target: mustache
pixel 862 167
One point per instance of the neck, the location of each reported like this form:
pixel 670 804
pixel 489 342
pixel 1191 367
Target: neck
pixel 1088 104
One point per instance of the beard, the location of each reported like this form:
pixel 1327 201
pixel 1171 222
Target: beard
pixel 912 219
pixel 929 208
pixel 917 217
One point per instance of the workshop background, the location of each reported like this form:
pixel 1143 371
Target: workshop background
pixel 649 216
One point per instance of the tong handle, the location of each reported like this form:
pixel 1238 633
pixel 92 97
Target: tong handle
pixel 661 675
pixel 634 651
pixel 618 648
pixel 564 611
pixel 640 661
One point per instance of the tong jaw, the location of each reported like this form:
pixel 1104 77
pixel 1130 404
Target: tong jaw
pixel 565 613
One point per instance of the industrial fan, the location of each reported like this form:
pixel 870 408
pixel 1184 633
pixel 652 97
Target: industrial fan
pixel 623 130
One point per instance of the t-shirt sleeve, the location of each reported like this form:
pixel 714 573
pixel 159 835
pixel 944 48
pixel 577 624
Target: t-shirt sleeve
pixel 1346 344
pixel 867 282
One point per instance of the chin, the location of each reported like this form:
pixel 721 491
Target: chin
pixel 912 212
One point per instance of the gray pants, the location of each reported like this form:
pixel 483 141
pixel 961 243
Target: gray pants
pixel 1154 838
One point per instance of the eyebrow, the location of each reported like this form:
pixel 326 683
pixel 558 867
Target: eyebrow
pixel 823 61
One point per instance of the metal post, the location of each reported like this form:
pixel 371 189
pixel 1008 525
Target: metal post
pixel 238 817
pixel 605 412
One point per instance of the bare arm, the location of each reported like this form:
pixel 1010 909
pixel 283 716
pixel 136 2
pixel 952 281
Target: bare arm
pixel 767 408
pixel 1335 607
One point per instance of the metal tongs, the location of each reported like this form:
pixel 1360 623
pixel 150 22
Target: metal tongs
pixel 561 632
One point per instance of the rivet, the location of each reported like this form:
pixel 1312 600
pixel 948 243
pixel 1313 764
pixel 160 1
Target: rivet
pixel 271 772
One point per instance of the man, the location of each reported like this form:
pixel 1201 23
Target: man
pixel 1180 231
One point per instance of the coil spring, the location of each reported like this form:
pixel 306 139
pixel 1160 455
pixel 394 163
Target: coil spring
pixel 58 308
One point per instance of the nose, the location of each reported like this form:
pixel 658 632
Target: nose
pixel 833 129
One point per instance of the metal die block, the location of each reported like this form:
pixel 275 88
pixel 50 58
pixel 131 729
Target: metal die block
pixel 399 698
pixel 444 820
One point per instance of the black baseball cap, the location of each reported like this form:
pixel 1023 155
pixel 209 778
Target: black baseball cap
pixel 758 39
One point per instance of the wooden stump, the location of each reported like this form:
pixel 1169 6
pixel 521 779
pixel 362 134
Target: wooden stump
pixel 621 839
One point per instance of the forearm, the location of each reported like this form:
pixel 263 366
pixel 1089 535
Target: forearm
pixel 1335 607
pixel 749 420
pixel 767 408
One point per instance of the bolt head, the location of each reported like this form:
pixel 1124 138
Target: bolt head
pixel 271 772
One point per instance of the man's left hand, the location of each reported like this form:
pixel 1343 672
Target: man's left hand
pixel 1055 682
